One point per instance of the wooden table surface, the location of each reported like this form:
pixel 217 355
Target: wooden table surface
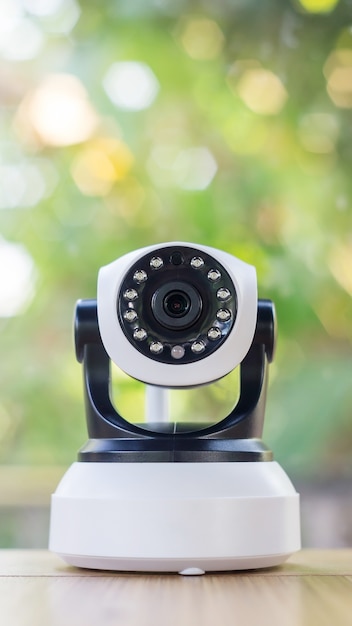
pixel 314 588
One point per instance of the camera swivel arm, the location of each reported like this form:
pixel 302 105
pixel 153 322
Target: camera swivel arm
pixel 112 438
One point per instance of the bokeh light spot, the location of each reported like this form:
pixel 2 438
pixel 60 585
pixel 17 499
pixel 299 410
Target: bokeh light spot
pixel 17 278
pixel 338 73
pixel 202 38
pixel 102 163
pixel 57 112
pixel 42 8
pixel 57 16
pixel 262 91
pixel 319 6
pixel 195 168
pixel 25 184
pixel 131 85
pixel 340 264
pixel 20 41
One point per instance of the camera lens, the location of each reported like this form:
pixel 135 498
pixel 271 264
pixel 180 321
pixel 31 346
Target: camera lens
pixel 177 304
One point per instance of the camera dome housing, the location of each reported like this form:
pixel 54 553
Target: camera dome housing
pixel 167 306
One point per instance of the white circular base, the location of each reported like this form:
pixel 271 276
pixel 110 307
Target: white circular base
pixel 175 517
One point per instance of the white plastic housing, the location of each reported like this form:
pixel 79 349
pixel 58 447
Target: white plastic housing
pixel 206 370
pixel 177 517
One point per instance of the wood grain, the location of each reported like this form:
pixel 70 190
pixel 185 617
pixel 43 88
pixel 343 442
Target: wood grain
pixel 313 588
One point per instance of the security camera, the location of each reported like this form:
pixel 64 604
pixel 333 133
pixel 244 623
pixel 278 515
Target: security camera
pixel 177 315
pixel 153 495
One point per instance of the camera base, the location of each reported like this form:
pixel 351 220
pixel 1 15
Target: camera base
pixel 175 517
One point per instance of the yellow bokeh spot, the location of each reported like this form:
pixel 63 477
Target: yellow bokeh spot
pixel 330 309
pixel 262 91
pixel 319 6
pixel 340 263
pixel 338 72
pixel 102 163
pixel 202 39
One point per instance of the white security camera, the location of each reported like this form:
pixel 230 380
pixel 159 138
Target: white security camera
pixel 154 495
pixel 177 315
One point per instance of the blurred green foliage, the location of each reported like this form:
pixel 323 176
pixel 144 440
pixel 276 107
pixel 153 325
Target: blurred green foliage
pixel 241 138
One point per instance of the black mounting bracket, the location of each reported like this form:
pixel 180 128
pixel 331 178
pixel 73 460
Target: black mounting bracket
pixel 114 439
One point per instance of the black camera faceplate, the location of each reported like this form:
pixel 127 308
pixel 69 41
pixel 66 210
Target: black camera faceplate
pixel 207 304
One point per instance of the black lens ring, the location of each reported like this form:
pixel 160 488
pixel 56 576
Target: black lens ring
pixel 139 322
pixel 165 317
